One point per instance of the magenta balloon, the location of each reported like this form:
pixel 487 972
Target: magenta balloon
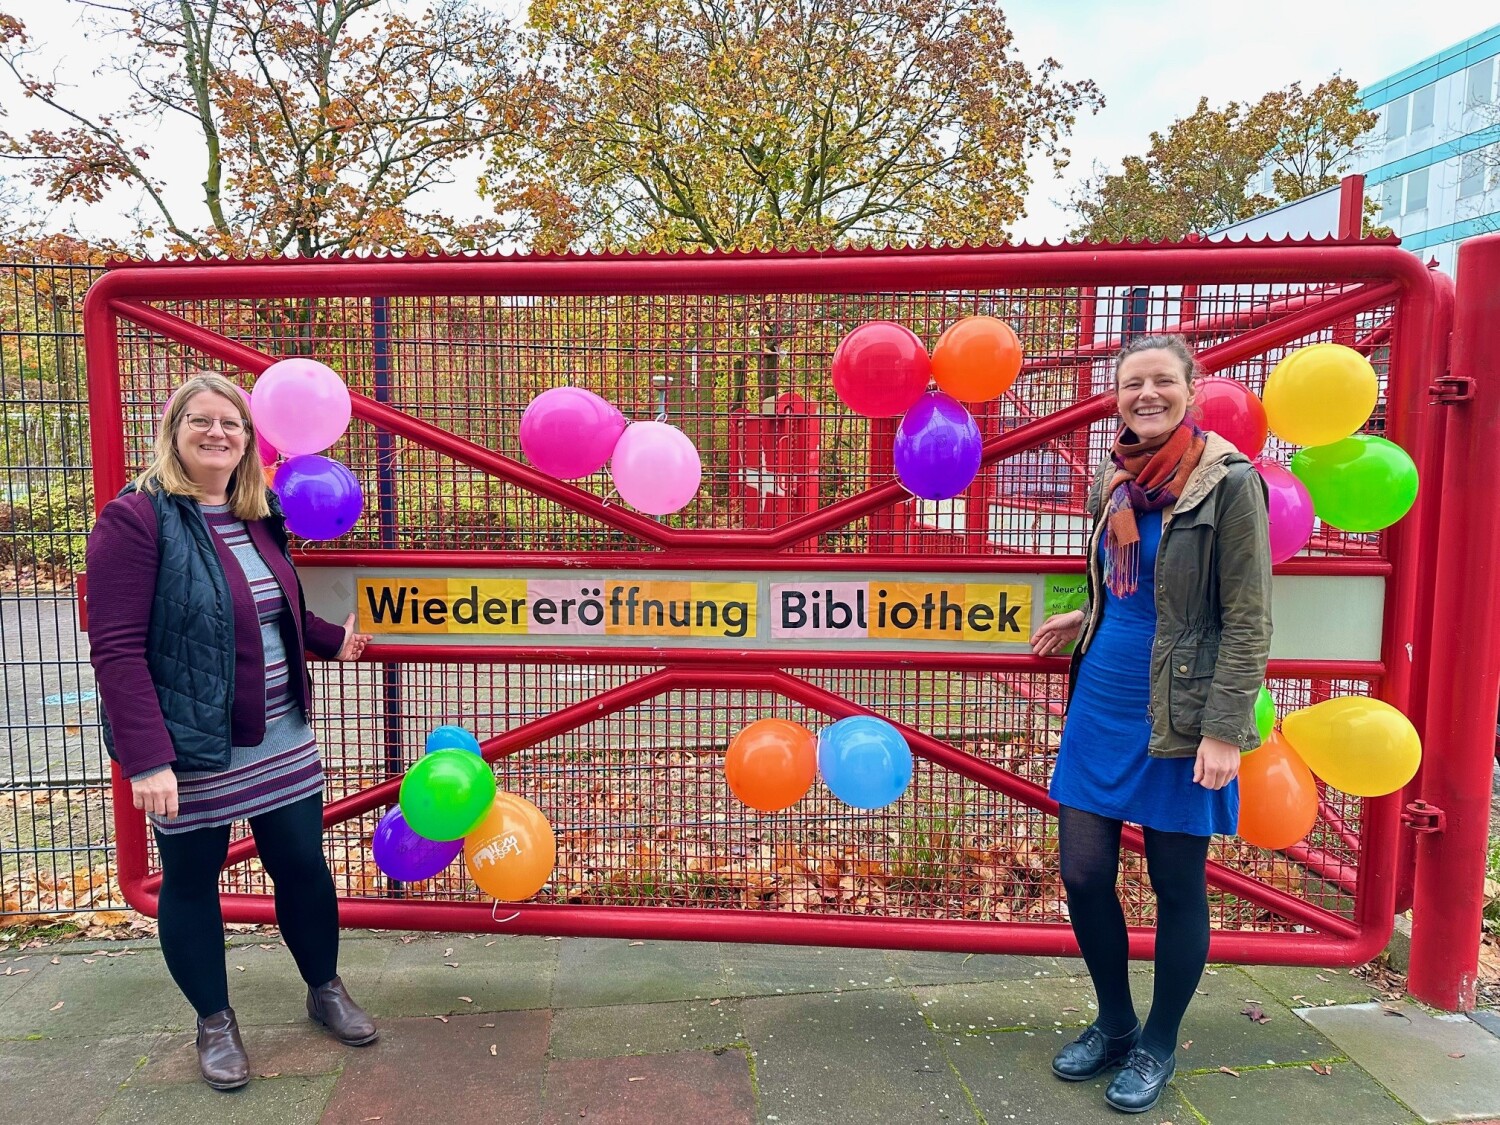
pixel 1290 507
pixel 656 468
pixel 268 454
pixel 300 406
pixel 320 498
pixel 880 369
pixel 404 855
pixel 569 432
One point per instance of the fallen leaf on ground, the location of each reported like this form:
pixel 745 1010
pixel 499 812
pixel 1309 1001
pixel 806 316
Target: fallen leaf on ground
pixel 1231 1073
pixel 635 943
pixel 1393 1010
pixel 1320 1068
pixel 1070 1009
pixel 640 1078
pixel 451 964
pixel 714 1003
pixel 441 1019
pixel 1256 1013
pixel 271 1074
pixel 1455 1054
pixel 1187 1045
pixel 494 1048
pixel 56 1006
pixel 467 999
pixel 57 960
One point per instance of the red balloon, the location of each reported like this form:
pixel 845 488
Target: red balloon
pixel 1231 410
pixel 880 369
pixel 1278 796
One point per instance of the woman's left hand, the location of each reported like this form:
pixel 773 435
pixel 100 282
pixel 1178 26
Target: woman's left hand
pixel 354 643
pixel 1217 765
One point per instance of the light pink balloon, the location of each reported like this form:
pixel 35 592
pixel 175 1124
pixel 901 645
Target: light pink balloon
pixel 656 467
pixel 268 454
pixel 569 433
pixel 300 406
pixel 1291 510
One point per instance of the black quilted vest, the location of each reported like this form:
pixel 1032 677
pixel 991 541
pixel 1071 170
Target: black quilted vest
pixel 190 639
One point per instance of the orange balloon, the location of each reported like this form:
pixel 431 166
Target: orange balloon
pixel 511 852
pixel 977 358
pixel 771 764
pixel 1278 796
pixel 269 472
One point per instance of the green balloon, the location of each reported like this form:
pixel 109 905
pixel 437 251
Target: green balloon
pixel 446 793
pixel 1265 713
pixel 1363 483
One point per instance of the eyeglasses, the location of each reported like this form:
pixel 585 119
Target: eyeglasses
pixel 203 423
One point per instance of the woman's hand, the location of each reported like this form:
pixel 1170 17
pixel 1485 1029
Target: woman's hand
pixel 1217 765
pixel 156 794
pixel 1057 632
pixel 354 643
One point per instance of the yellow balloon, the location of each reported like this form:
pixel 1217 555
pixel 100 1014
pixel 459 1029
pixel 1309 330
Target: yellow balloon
pixel 1363 746
pixel 1320 394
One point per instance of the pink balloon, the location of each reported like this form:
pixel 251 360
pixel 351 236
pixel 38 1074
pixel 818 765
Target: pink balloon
pixel 1291 510
pixel 268 454
pixel 569 432
pixel 656 467
pixel 300 406
pixel 1231 410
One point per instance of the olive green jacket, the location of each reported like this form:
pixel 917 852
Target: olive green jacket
pixel 1213 604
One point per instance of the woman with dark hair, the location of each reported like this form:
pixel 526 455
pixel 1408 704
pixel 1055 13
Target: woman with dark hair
pixel 197 630
pixel 1171 653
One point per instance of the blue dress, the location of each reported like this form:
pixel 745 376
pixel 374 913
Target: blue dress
pixel 1102 765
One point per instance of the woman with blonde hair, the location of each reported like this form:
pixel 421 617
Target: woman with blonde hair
pixel 197 629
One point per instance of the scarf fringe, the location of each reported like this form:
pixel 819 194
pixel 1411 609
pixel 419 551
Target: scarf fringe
pixel 1122 568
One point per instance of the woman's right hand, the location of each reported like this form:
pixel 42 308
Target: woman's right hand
pixel 156 793
pixel 1057 632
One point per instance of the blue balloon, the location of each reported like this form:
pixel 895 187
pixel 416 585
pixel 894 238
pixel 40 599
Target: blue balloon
pixel 864 761
pixel 938 448
pixel 452 738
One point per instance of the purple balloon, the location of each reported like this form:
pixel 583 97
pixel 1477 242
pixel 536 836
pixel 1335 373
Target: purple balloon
pixel 404 855
pixel 937 447
pixel 1290 508
pixel 569 433
pixel 320 497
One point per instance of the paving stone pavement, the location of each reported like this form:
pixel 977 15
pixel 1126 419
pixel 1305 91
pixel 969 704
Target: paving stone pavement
pixel 483 1028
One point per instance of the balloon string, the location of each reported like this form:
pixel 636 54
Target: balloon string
pixel 661 406
pixel 501 921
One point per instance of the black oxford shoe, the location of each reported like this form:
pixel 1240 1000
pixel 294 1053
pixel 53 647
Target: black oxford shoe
pixel 1092 1053
pixel 1140 1083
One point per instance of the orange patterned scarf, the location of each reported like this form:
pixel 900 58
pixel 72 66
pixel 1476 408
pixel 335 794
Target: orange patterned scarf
pixel 1149 475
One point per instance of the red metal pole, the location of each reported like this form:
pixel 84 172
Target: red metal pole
pixel 1448 906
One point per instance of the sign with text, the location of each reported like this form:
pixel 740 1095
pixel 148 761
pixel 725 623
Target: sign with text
pixel 836 610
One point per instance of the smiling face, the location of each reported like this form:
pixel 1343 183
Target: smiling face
pixel 210 456
pixel 1152 392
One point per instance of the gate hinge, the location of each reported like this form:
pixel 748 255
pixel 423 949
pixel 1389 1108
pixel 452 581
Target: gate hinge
pixel 1422 817
pixel 1447 390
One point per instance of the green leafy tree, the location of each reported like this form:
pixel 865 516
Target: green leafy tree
pixel 723 124
pixel 1201 173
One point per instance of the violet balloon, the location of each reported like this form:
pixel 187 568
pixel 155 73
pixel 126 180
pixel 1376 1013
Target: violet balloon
pixel 656 468
pixel 320 498
pixel 1290 509
pixel 938 448
pixel 300 405
pixel 569 433
pixel 404 855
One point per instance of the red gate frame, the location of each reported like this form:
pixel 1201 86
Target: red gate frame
pixel 1372 274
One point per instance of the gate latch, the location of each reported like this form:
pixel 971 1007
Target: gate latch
pixel 1447 390
pixel 1419 816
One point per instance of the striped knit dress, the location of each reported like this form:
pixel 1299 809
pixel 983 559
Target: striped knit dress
pixel 286 766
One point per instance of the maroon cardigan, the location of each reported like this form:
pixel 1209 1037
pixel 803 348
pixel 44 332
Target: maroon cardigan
pixel 122 564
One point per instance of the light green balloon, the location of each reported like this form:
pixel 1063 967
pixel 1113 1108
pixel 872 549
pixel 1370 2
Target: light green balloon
pixel 1363 483
pixel 1265 713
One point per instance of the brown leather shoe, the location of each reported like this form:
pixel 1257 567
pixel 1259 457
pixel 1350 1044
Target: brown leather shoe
pixel 221 1055
pixel 331 1005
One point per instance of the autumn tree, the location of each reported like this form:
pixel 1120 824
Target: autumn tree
pixel 316 125
pixel 724 124
pixel 1202 173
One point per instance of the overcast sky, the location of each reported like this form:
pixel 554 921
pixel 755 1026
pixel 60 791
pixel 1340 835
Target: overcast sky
pixel 1152 59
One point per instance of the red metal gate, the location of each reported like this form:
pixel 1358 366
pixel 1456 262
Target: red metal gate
pixel 620 742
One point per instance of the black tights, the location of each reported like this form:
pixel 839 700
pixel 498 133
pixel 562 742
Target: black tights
pixel 191 926
pixel 1176 863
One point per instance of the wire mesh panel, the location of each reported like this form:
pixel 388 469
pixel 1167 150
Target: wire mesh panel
pixel 736 352
pixel 55 831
